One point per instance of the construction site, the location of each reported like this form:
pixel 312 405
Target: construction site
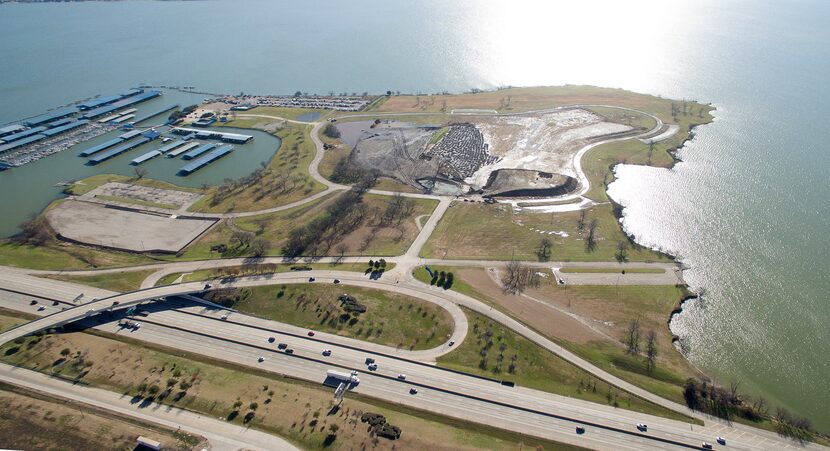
pixel 527 155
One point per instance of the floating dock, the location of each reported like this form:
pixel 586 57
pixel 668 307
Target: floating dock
pixel 118 150
pixel 123 118
pixel 49 117
pixel 109 118
pixel 128 101
pixel 130 134
pixel 156 113
pixel 100 147
pixel 23 134
pixel 183 149
pixel 198 151
pixel 63 128
pixel 171 146
pixel 21 142
pixel 228 137
pixel 60 122
pixel 11 129
pixel 195 165
pixel 147 156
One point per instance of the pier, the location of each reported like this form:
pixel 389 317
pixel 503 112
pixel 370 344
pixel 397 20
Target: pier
pixel 147 156
pixel 195 165
pixel 204 134
pixel 183 149
pixel 155 113
pixel 198 151
pixel 118 150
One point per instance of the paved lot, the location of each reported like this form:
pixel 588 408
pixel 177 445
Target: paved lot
pixel 130 230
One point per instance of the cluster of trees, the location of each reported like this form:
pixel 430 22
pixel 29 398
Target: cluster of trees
pixel 488 339
pixel 35 231
pixel 544 250
pixel 177 115
pixel 518 277
pixel 242 240
pixel 229 185
pixel 318 236
pixel 228 297
pixel 632 343
pixel 443 279
pixel 347 173
pixel 397 210
pixel 331 131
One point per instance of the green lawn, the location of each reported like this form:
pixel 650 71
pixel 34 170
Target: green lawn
pixel 121 282
pixel 494 351
pixel 391 319
pixel 55 255
pixel 496 232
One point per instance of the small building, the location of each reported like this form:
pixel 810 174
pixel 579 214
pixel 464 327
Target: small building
pixel 144 442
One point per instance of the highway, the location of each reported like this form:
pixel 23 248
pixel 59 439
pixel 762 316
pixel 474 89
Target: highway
pixel 200 330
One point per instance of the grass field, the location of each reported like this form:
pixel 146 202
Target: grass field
pixel 56 255
pixel 613 307
pixel 297 410
pixel 276 227
pixel 121 281
pixel 285 179
pixel 390 319
pixel 496 232
pixel 494 351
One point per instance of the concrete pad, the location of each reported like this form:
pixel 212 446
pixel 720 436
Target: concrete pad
pixel 126 229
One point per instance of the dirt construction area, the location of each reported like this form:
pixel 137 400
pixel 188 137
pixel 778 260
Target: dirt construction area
pixel 547 142
pixel 126 229
pixel 178 199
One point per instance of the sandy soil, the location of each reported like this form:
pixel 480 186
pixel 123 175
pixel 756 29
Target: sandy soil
pixel 546 142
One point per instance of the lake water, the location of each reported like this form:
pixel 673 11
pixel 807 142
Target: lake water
pixel 748 209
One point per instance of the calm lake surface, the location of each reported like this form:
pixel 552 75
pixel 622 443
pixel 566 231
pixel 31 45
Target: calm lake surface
pixel 748 209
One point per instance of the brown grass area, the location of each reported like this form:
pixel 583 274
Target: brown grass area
pixel 527 99
pixel 34 421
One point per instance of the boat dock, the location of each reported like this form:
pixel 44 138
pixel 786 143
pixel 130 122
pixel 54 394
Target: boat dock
pixel 195 165
pixel 54 131
pixel 118 150
pixel 155 113
pixel 204 134
pixel 171 146
pixel 127 101
pixel 183 149
pixel 123 118
pixel 198 151
pixel 100 147
pixel 147 156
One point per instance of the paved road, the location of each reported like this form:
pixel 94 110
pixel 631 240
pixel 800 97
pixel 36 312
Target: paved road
pixel 403 287
pixel 529 411
pixel 221 435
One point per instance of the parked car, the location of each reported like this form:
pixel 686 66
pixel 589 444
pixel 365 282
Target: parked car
pixel 143 313
pixel 33 302
pixel 402 377
pixel 580 430
pixel 208 286
pixel 311 279
pixel 55 302
pixel 271 339
pixel 373 367
pixel 706 445
pixel 326 352
pixel 369 360
pixel 41 308
pixel 311 333
pixel 413 391
pixel 282 345
pixel 642 427
pixel 260 359
pixel 289 351
pixel 452 342
pixel 224 317
pixel 721 441
pixel 336 280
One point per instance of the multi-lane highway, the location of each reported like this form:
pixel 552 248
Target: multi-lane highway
pixel 242 339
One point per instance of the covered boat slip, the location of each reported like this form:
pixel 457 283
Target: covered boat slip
pixel 183 149
pixel 195 165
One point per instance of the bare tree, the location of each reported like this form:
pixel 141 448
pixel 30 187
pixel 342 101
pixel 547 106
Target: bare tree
pixel 590 240
pixel 651 350
pixel 341 250
pixel 241 238
pixel 622 252
pixel 260 247
pixel 580 226
pixel 632 337
pixel 517 277
pixel 139 172
pixel 544 250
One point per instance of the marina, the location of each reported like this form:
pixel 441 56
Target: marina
pixel 128 101
pixel 156 113
pixel 123 119
pixel 100 147
pixel 171 146
pixel 195 165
